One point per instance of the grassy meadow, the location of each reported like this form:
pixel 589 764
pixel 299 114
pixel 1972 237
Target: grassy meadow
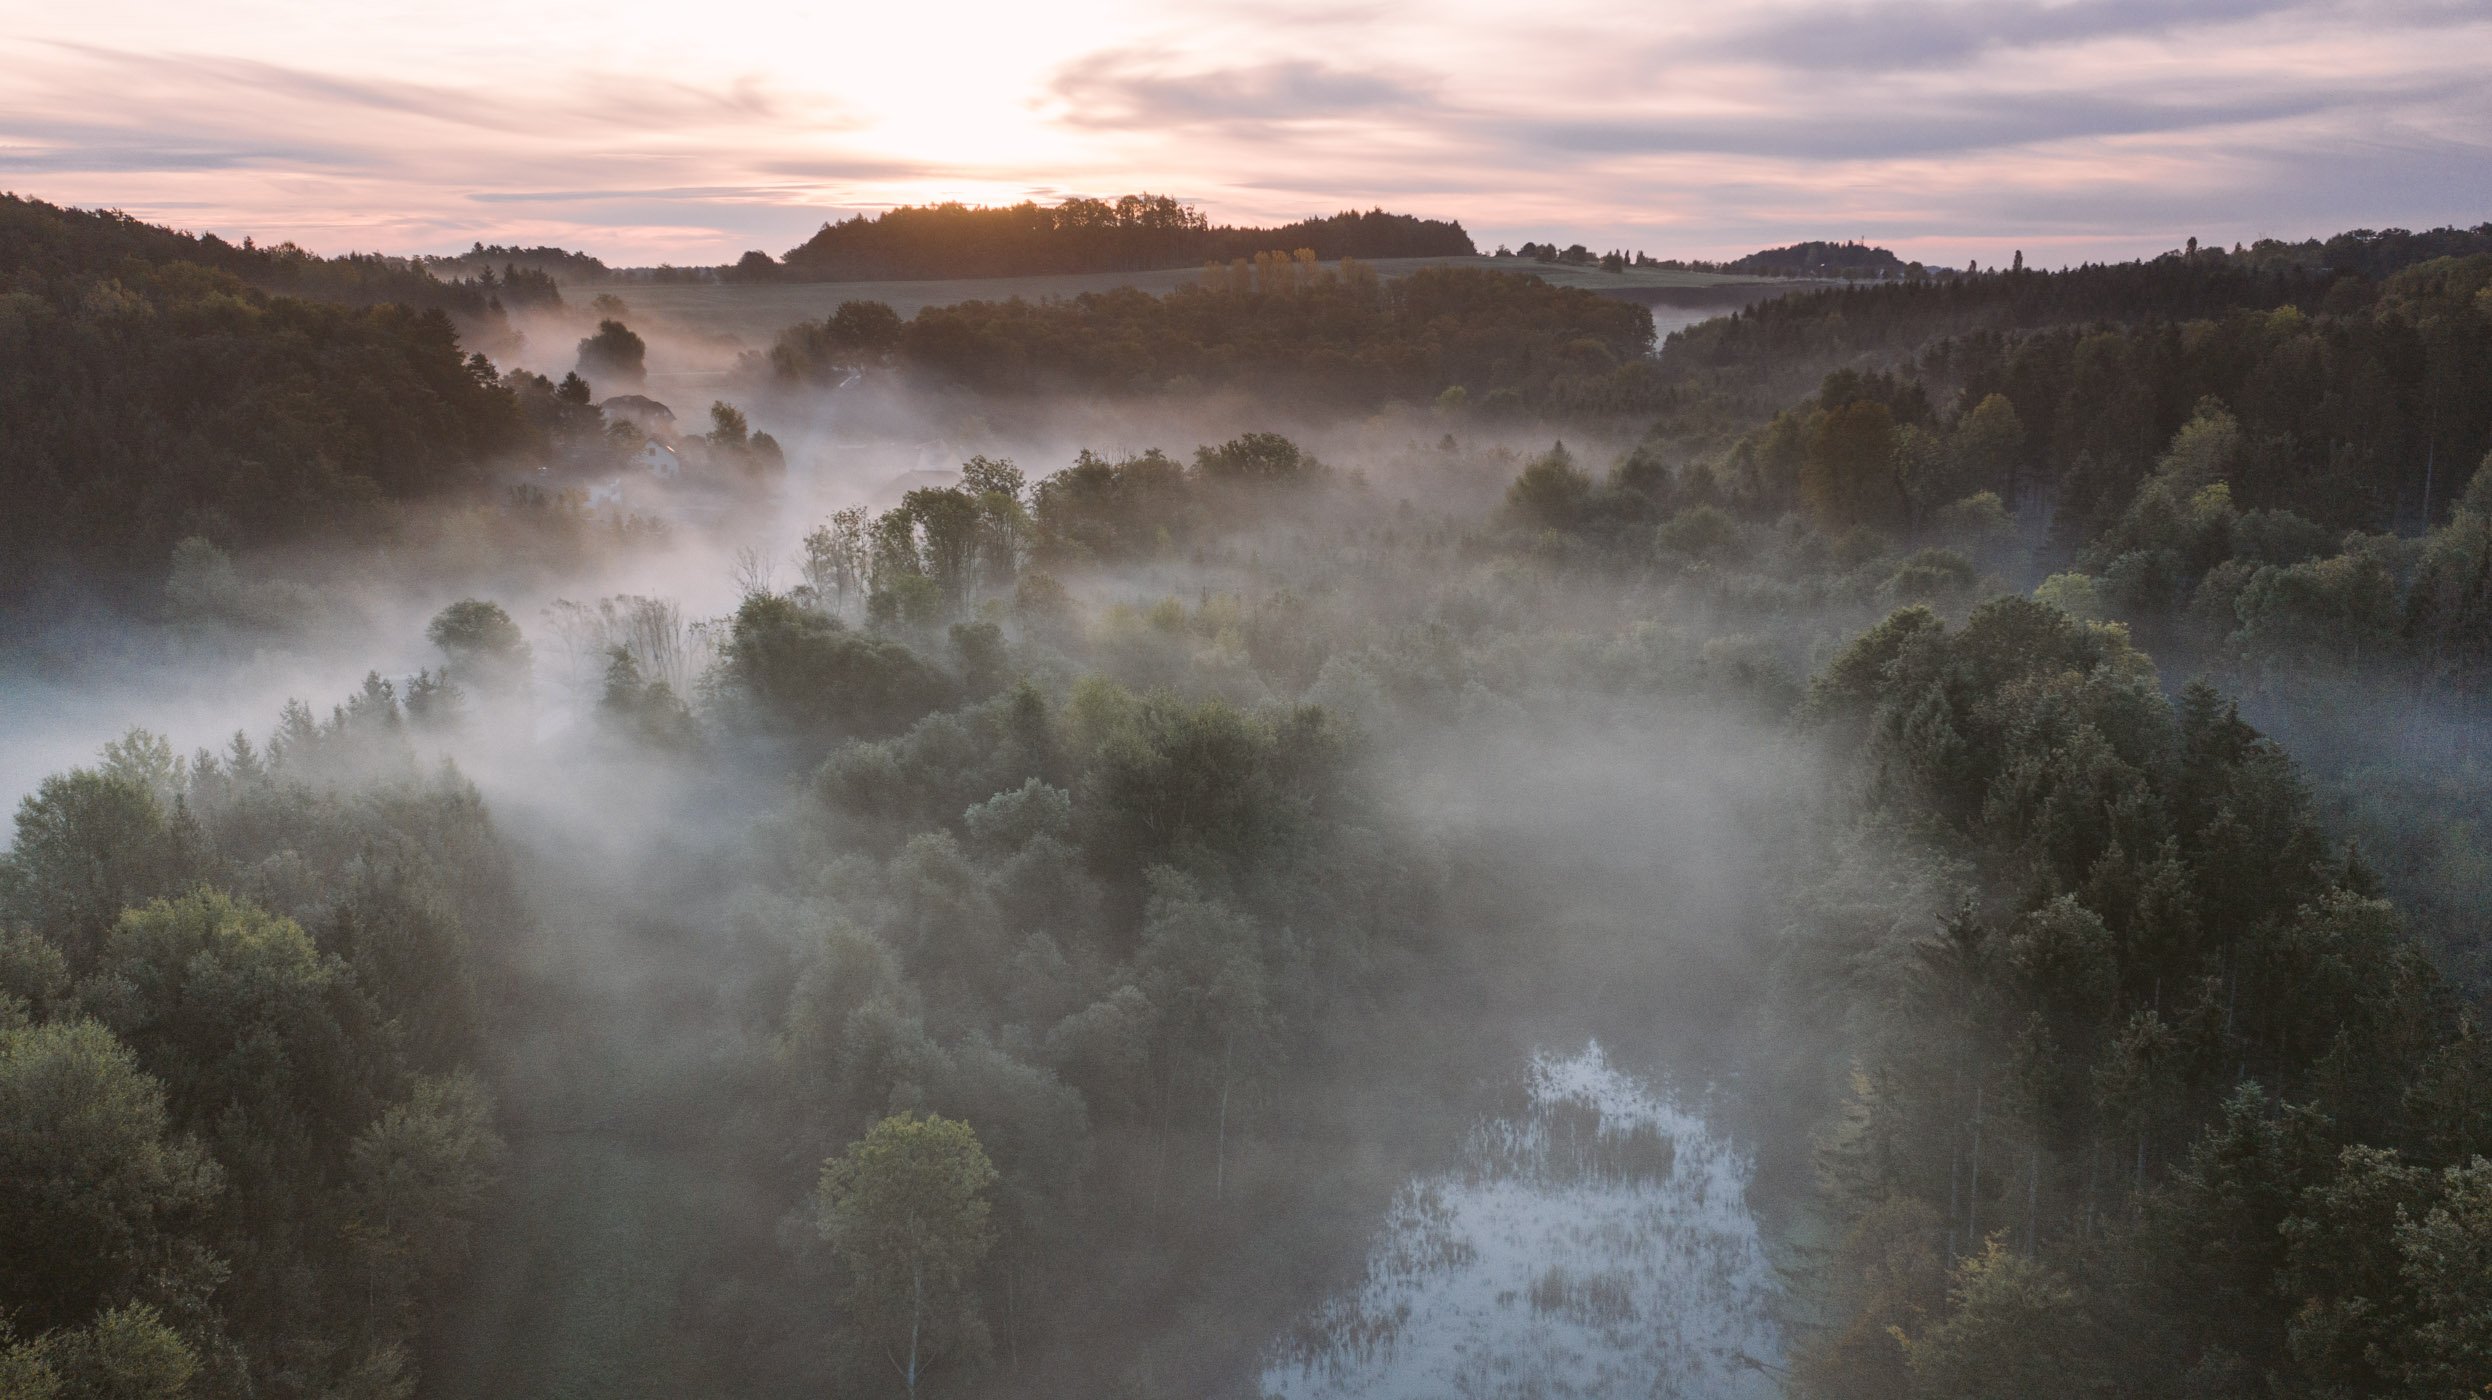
pixel 753 314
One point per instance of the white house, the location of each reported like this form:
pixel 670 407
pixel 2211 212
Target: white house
pixel 659 460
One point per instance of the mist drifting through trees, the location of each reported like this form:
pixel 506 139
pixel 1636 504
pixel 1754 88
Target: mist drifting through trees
pixel 1310 834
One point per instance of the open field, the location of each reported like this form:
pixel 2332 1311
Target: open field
pixel 754 313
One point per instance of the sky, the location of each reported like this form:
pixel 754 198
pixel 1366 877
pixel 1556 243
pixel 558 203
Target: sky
pixel 646 132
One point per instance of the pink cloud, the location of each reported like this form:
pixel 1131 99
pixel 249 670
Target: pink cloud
pixel 2085 128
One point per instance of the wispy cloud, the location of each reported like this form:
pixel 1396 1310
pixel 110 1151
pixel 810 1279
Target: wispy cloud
pixel 2086 126
pixel 1943 33
pixel 1129 88
pixel 1955 127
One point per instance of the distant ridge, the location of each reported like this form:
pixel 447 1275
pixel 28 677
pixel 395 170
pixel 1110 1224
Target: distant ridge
pixel 1814 259
pixel 58 241
pixel 1817 258
pixel 562 264
pixel 1137 232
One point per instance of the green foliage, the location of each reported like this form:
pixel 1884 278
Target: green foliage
pixel 1007 939
pixel 1817 258
pixel 2081 596
pixel 418 1174
pixel 482 646
pixel 1202 787
pixel 2169 1095
pixel 1551 492
pixel 1931 576
pixel 88 845
pixel 205 988
pixel 1856 680
pixel 128 1353
pixel 2445 1260
pixel 99 1190
pixel 55 243
pixel 1134 507
pixel 228 1167
pixel 2186 1007
pixel 731 444
pixel 1774 351
pixel 1090 235
pixel 2014 1330
pixel 1263 459
pixel 859 335
pixel 1978 519
pixel 1889 1277
pixel 944 763
pixel 645 710
pixel 614 357
pixel 906 1209
pixel 123 348
pixel 2123 395
pixel 1850 475
pixel 1705 533
pixel 1987 444
pixel 1317 336
pixel 807 674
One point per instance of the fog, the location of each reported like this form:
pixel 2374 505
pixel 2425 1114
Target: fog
pixel 1586 860
pixel 1391 845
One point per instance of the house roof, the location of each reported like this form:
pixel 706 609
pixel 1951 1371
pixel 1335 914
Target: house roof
pixel 638 406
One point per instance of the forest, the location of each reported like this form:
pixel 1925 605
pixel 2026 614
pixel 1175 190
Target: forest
pixel 159 387
pixel 1130 233
pixel 1999 749
pixel 1278 324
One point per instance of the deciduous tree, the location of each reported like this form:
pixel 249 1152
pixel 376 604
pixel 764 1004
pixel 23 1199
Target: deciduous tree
pixel 906 1209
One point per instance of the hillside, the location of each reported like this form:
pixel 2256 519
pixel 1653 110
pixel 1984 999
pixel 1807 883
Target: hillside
pixel 1298 330
pixel 755 312
pixel 1129 234
pixel 48 240
pixel 1820 259
pixel 1737 368
pixel 1178 845
pixel 155 386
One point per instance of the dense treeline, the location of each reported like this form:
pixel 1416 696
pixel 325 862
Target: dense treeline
pixel 240 1000
pixel 1817 258
pixel 1097 927
pixel 2374 253
pixel 1095 904
pixel 1283 326
pixel 1813 259
pixel 1128 234
pixel 2343 415
pixel 2288 498
pixel 2145 1089
pixel 2261 537
pixel 48 242
pixel 2348 409
pixel 2167 1099
pixel 558 264
pixel 1081 908
pixel 2171 1105
pixel 159 386
pixel 1739 367
pixel 1041 952
pixel 1042 938
pixel 148 402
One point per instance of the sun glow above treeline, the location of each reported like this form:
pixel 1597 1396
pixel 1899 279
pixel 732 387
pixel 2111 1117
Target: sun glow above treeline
pixel 650 133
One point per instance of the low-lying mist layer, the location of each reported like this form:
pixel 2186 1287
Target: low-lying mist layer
pixel 895 887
